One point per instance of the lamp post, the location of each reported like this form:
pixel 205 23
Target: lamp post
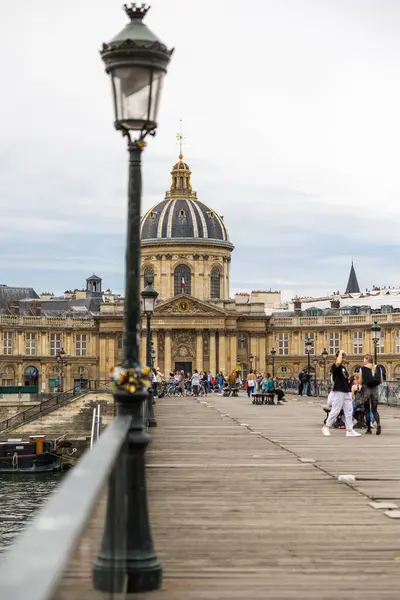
pixel 376 334
pixel 137 62
pixel 149 296
pixel 273 352
pixel 324 358
pixel 309 345
pixel 251 358
pixel 60 362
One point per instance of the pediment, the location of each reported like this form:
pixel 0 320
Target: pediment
pixel 185 305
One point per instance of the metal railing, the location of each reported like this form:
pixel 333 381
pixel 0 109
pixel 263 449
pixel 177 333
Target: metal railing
pixel 125 557
pixel 51 404
pixel 388 391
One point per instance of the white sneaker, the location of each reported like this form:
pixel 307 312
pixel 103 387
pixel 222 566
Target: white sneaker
pixel 352 433
pixel 325 431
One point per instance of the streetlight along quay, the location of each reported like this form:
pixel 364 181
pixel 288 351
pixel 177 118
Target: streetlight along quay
pixel 60 356
pixel 376 335
pixel 273 352
pixel 137 62
pixel 149 296
pixel 308 345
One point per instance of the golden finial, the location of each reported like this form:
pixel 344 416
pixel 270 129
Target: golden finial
pixel 180 140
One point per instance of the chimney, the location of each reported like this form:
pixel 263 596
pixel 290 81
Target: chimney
pixel 297 305
pixel 335 303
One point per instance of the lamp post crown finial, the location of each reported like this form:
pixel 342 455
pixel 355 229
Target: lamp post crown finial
pixel 136 11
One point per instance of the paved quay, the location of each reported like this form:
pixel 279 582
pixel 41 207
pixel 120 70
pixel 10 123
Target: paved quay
pixel 236 514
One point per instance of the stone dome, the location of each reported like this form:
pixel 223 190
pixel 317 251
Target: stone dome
pixel 181 217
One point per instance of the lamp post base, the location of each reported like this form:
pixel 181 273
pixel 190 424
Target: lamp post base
pixel 129 576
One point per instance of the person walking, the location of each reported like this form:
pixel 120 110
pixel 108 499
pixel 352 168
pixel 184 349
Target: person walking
pixel 220 382
pixel 251 382
pixel 195 383
pixel 340 397
pixel 370 378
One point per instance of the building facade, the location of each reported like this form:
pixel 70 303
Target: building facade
pixel 187 250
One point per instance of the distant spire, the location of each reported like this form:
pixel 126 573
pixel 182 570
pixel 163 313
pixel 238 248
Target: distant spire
pixel 180 140
pixel 352 284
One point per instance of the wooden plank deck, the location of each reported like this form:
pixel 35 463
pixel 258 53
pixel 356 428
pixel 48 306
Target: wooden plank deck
pixel 236 515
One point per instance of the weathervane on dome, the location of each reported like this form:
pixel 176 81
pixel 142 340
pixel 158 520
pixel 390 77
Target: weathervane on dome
pixel 180 139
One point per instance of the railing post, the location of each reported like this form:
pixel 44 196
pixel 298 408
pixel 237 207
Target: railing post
pixel 128 563
pixel 151 419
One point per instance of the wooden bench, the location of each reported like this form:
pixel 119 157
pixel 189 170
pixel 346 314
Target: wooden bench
pixel 263 397
pixel 231 390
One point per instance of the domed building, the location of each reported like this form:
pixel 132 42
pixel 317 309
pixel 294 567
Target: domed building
pixel 186 248
pixel 185 243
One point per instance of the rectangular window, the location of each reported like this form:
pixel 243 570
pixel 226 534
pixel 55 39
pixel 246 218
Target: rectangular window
pixel 381 342
pixel 81 340
pixel 283 343
pixel 398 341
pixel 358 342
pixel 8 342
pixel 55 343
pixel 7 382
pixel 31 344
pixel 334 342
pixel 309 336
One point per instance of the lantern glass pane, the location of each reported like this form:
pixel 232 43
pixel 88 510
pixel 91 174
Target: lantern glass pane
pixel 148 304
pixel 137 93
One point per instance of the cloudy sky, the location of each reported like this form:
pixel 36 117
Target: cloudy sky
pixel 291 115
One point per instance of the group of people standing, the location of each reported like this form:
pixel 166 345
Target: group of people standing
pixel 360 389
pixel 266 383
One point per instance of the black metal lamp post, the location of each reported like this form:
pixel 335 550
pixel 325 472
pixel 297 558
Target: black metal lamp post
pixel 149 296
pixel 309 345
pixel 273 352
pixel 376 334
pixel 60 362
pixel 137 61
pixel 324 358
pixel 251 358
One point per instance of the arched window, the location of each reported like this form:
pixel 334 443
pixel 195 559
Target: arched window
pixel 148 272
pixel 182 280
pixel 215 283
pixel 181 182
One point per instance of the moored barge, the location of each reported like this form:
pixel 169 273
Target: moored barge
pixel 36 455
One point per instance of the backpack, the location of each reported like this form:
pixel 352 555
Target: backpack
pixel 372 381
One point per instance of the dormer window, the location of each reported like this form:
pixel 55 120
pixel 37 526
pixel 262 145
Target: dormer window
pixel 153 215
pixel 182 214
pixel 210 214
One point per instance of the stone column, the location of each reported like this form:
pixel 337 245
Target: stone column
pixel 154 339
pixel 222 352
pixel 143 348
pixel 102 356
pixel 199 351
pixel 232 349
pixel 262 356
pixel 213 354
pixel 167 354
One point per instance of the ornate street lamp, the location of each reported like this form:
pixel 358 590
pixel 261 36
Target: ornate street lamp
pixel 273 352
pixel 137 62
pixel 376 336
pixel 60 362
pixel 149 297
pixel 251 358
pixel 308 345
